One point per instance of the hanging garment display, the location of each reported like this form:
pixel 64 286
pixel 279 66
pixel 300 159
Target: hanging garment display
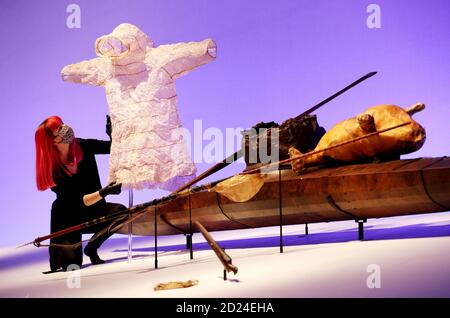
pixel 148 146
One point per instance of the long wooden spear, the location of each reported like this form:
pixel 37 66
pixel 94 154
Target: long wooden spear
pixel 230 159
pixel 137 210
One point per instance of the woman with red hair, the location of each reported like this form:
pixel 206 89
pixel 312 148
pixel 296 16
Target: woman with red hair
pixel 67 166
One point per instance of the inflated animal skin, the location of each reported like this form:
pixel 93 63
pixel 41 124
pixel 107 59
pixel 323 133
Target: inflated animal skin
pixel 390 144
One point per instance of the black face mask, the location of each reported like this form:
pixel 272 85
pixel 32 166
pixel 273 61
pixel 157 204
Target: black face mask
pixel 66 133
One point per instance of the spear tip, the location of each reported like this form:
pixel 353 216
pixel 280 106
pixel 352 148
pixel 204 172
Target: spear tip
pixel 23 245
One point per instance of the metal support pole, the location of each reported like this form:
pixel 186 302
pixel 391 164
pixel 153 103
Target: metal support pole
pixel 191 252
pixel 130 225
pixel 361 228
pixel 188 241
pixel 281 210
pixel 156 241
pixel 306 229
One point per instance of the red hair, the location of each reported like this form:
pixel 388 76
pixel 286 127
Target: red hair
pixel 48 160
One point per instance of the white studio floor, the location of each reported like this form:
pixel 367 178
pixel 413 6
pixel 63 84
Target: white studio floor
pixel 409 256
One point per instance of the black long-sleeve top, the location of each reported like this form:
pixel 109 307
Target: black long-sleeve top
pixel 68 209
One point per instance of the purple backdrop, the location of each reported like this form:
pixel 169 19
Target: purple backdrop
pixel 275 59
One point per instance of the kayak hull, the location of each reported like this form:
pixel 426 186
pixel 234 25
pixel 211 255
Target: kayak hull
pixel 357 191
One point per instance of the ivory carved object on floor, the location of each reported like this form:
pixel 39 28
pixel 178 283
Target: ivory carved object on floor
pixel 392 143
pixel 148 148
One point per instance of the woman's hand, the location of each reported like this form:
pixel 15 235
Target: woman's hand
pixel 92 198
pixel 108 126
pixel 112 188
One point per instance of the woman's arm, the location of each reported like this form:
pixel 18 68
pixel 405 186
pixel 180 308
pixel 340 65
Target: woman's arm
pixel 97 147
pixel 92 198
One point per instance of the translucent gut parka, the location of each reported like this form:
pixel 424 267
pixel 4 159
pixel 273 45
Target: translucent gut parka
pixel 148 147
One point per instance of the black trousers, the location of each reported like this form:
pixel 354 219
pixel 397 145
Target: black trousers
pixel 66 251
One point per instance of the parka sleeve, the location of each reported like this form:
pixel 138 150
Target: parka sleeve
pixel 181 58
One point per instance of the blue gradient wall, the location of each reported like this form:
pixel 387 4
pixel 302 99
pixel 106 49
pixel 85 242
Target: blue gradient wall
pixel 275 59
